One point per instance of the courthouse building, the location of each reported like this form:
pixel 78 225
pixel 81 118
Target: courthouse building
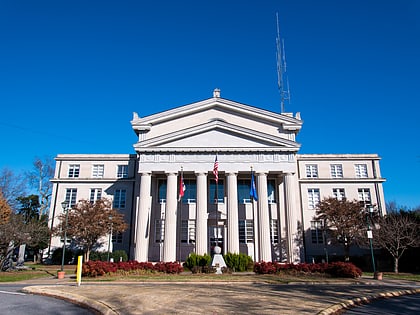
pixel 173 204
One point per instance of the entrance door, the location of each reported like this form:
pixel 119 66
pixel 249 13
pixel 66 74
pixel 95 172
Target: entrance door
pixel 216 234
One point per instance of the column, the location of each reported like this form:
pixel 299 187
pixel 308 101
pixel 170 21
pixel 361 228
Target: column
pixel 169 243
pixel 264 218
pixel 232 214
pixel 201 243
pixel 291 219
pixel 143 219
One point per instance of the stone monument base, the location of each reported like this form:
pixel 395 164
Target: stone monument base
pixel 218 262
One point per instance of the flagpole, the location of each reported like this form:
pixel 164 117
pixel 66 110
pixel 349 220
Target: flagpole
pixel 255 215
pixel 181 182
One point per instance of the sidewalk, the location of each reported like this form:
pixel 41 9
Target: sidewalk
pixel 219 297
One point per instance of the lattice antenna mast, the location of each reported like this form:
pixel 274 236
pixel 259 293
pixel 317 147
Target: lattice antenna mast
pixel 282 79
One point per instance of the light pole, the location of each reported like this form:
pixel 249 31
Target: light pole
pixel 369 214
pixel 65 206
pixel 109 237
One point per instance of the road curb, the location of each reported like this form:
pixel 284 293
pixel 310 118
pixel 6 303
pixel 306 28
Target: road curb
pixel 98 307
pixel 337 308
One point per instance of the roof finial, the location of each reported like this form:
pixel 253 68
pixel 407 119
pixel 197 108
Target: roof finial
pixel 216 92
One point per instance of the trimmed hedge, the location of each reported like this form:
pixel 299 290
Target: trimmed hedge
pixel 100 268
pixel 335 269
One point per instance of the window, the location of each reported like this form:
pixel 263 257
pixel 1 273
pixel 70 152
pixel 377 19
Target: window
pixel 220 191
pixel 117 238
pixel 246 231
pixel 74 170
pixel 122 171
pixel 336 170
pixel 190 193
pixel 271 190
pixel 274 231
pixel 71 196
pixel 339 193
pixel 361 170
pixel 162 190
pixel 244 186
pixel 119 198
pixel 313 198
pixel 98 170
pixel 317 232
pixel 188 231
pixel 159 231
pixel 364 195
pixel 312 171
pixel 95 194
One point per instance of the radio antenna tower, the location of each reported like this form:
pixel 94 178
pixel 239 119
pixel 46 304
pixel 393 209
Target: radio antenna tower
pixel 282 79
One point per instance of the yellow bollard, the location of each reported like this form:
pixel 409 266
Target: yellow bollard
pixel 79 270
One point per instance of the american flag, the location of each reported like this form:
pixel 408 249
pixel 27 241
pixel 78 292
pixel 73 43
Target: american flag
pixel 216 170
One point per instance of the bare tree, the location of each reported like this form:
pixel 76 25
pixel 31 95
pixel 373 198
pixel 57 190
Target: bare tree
pixel 88 222
pixel 40 178
pixel 344 219
pixel 12 186
pixel 397 232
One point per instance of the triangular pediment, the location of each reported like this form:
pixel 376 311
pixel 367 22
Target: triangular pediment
pixel 216 123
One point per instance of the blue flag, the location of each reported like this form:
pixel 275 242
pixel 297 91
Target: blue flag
pixel 253 190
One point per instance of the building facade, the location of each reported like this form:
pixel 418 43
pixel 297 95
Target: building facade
pixel 174 205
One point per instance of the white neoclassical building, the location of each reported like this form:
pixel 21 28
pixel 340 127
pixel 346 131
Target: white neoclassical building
pixel 174 206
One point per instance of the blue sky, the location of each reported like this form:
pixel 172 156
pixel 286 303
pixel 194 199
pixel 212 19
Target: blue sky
pixel 73 72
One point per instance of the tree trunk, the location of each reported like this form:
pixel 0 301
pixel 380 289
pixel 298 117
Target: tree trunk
pixel 396 264
pixel 346 253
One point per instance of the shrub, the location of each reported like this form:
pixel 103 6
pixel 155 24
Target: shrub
pixel 194 260
pixel 238 262
pixel 335 269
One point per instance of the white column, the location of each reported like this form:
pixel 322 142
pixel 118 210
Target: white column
pixel 232 214
pixel 201 242
pixel 169 243
pixel 141 251
pixel 264 218
pixel 291 218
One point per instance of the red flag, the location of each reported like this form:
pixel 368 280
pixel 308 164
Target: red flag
pixel 182 187
pixel 216 170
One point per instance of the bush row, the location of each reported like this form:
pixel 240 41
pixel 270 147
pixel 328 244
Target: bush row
pixel 335 269
pixel 100 268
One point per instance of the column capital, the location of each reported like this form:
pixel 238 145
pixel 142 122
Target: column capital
pixel 145 173
pixel 201 173
pixel 231 173
pixel 171 173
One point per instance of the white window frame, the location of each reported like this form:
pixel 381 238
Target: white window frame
pixel 311 170
pixel 274 231
pixel 336 170
pixel 361 170
pixel 317 229
pixel 95 194
pixel 71 196
pixel 246 231
pixel 188 231
pixel 122 171
pixel 364 195
pixel 159 230
pixel 339 193
pixel 314 197
pixel 74 171
pixel 98 170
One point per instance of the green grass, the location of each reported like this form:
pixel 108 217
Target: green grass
pixel 33 271
pixel 396 276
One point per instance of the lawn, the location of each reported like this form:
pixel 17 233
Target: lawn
pixel 34 271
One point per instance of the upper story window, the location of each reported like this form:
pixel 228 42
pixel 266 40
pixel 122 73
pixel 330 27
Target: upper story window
pixel 71 194
pixel 98 170
pixel 190 193
pixel 95 194
pixel 220 187
pixel 339 193
pixel 74 170
pixel 122 171
pixel 364 195
pixel 119 198
pixel 313 198
pixel 271 190
pixel 311 170
pixel 274 231
pixel 336 170
pixel 162 190
pixel 244 186
pixel 361 170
